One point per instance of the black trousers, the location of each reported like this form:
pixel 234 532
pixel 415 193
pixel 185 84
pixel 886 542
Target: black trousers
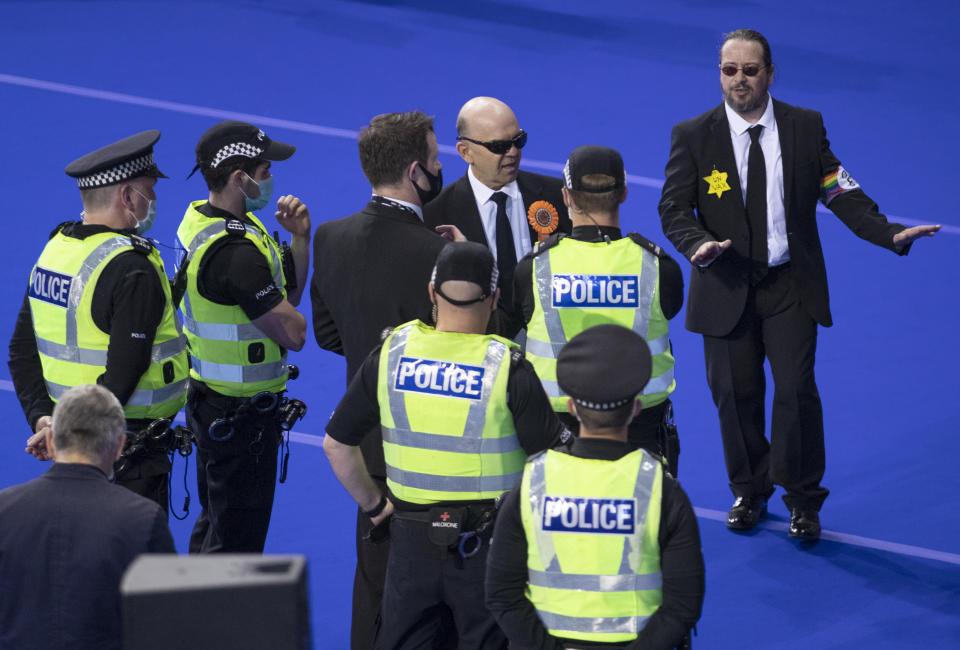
pixel 774 326
pixel 425 583
pixel 145 475
pixel 236 478
pixel 368 581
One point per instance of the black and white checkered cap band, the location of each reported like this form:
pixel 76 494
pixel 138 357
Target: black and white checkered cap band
pixel 121 172
pixel 567 180
pixel 236 149
pixel 601 406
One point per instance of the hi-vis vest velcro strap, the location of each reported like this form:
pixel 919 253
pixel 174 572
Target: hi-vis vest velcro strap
pixel 193 246
pixel 470 442
pixel 238 374
pixel 627 577
pixel 139 397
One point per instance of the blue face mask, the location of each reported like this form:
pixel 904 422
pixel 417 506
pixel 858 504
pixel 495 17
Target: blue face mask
pixel 147 222
pixel 266 191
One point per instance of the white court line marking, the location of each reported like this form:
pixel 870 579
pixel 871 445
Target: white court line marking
pixel 707 513
pixel 306 127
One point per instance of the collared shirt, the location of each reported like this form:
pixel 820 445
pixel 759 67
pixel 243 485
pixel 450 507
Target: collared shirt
pixel 488 214
pixel 778 251
pixel 410 206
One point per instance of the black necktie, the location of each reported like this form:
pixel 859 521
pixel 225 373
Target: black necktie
pixel 757 205
pixel 506 254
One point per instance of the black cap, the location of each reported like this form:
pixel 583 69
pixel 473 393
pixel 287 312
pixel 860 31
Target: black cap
pixel 231 138
pixel 469 262
pixel 128 158
pixel 604 367
pixel 591 159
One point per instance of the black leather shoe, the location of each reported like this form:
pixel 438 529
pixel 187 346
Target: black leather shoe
pixel 746 513
pixel 804 524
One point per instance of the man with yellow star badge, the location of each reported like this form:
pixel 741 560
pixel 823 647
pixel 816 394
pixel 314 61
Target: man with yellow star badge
pixel 760 285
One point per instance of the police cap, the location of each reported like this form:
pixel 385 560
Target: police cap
pixel 604 367
pixel 231 139
pixel 128 158
pixel 592 159
pixel 468 262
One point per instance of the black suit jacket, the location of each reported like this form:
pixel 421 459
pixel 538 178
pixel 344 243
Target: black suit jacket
pixel 456 205
pixel 371 271
pixel 65 540
pixel 690 216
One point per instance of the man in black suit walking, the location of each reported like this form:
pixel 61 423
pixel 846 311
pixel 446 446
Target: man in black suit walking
pixel 67 537
pixel 490 204
pixel 370 271
pixel 739 201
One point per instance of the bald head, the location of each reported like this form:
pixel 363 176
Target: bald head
pixel 487 119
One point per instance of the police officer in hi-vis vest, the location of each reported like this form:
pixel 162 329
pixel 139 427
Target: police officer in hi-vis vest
pixel 595 275
pixel 460 411
pixel 598 546
pixel 241 288
pixel 99 311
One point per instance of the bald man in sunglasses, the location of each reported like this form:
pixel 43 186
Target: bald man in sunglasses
pixel 491 202
pixel 739 202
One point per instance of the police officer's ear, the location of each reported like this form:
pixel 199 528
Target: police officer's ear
pixel 572 408
pixel 567 201
pixel 495 299
pixel 637 407
pixel 623 197
pixel 432 293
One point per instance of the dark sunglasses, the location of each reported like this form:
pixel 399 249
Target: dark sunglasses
pixel 749 69
pixel 500 147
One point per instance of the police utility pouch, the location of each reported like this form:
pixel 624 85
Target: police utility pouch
pixel 446 524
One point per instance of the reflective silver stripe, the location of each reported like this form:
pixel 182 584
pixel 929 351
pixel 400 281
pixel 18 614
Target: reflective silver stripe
pixel 441 483
pixel 398 407
pixel 477 414
pixel 222 331
pixel 552 388
pixel 544 349
pixel 238 374
pixel 658 384
pixel 76 354
pixel 551 317
pixel 659 345
pixel 606 625
pixel 89 357
pixel 538 487
pixel 462 445
pixel 159 395
pixel 87 267
pixel 642 491
pixel 201 238
pixel 648 286
pixel 168 349
pixel 139 397
pixel 604 583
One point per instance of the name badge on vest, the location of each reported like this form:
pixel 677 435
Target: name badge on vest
pixel 439 378
pixel 50 286
pixel 598 291
pixel 589 515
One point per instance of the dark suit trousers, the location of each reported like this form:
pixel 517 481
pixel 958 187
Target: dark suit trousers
pixel 776 326
pixel 368 581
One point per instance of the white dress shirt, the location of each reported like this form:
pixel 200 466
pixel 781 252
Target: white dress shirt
pixel 515 213
pixel 778 251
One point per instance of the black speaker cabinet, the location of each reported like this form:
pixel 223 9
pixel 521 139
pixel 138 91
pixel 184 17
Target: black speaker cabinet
pixel 216 601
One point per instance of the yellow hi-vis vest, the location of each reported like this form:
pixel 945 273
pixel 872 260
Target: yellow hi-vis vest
pixel 448 434
pixel 593 554
pixel 73 350
pixel 578 285
pixel 228 352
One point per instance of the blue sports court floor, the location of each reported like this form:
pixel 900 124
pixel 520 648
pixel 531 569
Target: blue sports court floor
pixel 76 75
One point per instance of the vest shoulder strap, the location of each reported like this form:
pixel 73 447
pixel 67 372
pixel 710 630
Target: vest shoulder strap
pixel 60 226
pixel 542 246
pixel 141 244
pixel 643 242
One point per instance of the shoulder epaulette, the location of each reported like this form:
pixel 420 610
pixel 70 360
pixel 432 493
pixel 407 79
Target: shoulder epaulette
pixel 59 227
pixel 235 228
pixel 141 244
pixel 640 240
pixel 548 243
pixel 387 331
pixel 535 456
pixel 516 356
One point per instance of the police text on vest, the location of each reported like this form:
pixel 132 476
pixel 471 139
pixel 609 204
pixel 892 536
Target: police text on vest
pixel 589 515
pixel 597 291
pixel 50 286
pixel 439 378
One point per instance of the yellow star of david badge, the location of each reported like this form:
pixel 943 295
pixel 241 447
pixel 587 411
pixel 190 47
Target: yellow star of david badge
pixel 718 183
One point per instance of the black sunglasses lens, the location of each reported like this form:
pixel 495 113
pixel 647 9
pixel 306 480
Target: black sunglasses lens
pixel 751 70
pixel 729 70
pixel 499 147
pixel 520 140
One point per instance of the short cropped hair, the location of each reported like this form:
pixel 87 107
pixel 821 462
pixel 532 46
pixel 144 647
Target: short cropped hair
pixel 98 198
pixel 88 419
pixel 750 35
pixel 594 202
pixel 593 419
pixel 390 143
pixel 217 177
